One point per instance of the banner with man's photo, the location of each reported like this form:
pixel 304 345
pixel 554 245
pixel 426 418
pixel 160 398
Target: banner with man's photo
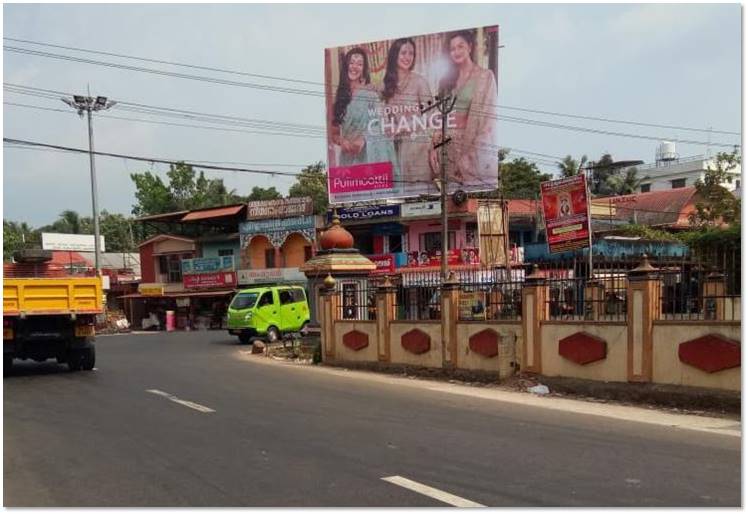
pixel 380 132
pixel 566 213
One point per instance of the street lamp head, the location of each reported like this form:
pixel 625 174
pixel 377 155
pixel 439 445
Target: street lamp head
pixel 100 102
pixel 79 99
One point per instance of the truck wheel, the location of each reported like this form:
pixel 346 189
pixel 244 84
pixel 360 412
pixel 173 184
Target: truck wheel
pixel 75 360
pixel 7 364
pixel 273 334
pixel 88 359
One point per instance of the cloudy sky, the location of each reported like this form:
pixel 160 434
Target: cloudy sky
pixel 668 65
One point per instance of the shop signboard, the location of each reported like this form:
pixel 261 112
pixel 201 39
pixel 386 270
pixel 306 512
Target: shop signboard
pixel 566 213
pixel 151 289
pixel 385 262
pixel 208 264
pixel 269 276
pixel 380 138
pixel 277 229
pixel 368 212
pixel 209 280
pixel 281 208
pixel 71 242
pixel 412 210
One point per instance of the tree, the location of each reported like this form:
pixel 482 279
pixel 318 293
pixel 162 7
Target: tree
pixel 186 190
pixel 17 235
pixel 624 183
pixel 312 181
pixel 117 232
pixel 521 179
pixel 717 205
pixel 261 193
pixel 601 171
pixel 569 166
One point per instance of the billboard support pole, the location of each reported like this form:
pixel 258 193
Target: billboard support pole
pixel 445 105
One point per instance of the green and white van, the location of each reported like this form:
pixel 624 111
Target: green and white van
pixel 268 312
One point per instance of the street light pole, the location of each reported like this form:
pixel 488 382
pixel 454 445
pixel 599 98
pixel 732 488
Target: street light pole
pixel 88 105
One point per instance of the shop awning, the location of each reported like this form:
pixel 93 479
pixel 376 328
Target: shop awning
pixel 183 294
pixel 218 212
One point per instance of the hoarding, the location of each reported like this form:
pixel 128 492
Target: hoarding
pixel 270 276
pixel 209 280
pixel 208 264
pixel 281 208
pixel 432 260
pixel 380 134
pixel 71 242
pixel 566 213
pixel 277 230
pixel 368 212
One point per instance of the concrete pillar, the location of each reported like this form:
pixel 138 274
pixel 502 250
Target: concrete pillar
pixel 643 307
pixel 328 314
pixel 450 300
pixel 386 312
pixel 713 292
pixel 278 257
pixel 534 310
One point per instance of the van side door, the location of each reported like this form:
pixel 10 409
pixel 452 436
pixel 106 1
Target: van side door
pixel 266 312
pixel 289 310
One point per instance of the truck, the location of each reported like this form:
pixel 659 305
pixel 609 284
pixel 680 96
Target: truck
pixel 49 312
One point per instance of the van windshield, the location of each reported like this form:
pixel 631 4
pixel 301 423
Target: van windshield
pixel 244 301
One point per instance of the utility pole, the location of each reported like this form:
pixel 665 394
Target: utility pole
pixel 445 104
pixel 89 104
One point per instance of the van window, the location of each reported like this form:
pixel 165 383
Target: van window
pixel 244 300
pixel 285 296
pixel 298 295
pixel 266 299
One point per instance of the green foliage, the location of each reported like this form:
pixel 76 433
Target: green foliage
pixel 312 181
pixel 713 237
pixel 261 193
pixel 717 205
pixel 602 171
pixel 521 179
pixel 18 235
pixel 569 166
pixel 625 183
pixel 647 232
pixel 186 190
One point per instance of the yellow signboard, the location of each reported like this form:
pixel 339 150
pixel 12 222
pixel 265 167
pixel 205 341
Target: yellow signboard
pixel 151 289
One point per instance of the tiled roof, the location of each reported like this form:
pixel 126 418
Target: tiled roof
pixel 669 207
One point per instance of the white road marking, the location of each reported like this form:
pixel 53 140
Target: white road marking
pixel 437 494
pixel 191 405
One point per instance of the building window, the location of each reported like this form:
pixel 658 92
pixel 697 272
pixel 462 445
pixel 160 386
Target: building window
pixel 645 188
pixel 226 252
pixel 471 235
pixel 678 183
pixel 270 258
pixel 395 243
pixel 171 266
pixel 431 242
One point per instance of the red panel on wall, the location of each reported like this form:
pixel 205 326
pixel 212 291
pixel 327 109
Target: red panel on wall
pixel 356 340
pixel 416 341
pixel 710 353
pixel 485 343
pixel 582 348
pixel 147 265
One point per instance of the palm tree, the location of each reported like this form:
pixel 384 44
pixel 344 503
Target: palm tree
pixel 625 183
pixel 69 222
pixel 570 166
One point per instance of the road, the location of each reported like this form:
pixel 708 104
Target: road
pixel 188 420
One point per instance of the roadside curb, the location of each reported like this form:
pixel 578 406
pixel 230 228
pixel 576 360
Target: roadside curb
pixel 728 427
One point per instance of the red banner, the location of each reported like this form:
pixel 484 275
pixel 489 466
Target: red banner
pixel 566 213
pixel 385 262
pixel 454 257
pixel 210 280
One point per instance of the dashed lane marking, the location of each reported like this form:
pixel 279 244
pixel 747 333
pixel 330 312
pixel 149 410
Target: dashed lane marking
pixel 186 403
pixel 437 494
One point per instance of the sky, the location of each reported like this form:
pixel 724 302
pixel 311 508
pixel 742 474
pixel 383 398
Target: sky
pixel 677 65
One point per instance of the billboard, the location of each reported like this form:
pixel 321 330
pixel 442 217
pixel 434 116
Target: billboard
pixel 281 208
pixel 70 242
pixel 381 137
pixel 566 213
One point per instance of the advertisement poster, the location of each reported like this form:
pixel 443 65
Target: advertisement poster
pixel 454 258
pixel 385 263
pixel 380 134
pixel 566 213
pixel 205 280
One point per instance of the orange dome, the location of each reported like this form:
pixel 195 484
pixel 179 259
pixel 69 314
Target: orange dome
pixel 336 237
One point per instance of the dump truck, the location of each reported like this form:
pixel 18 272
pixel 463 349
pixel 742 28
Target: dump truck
pixel 49 312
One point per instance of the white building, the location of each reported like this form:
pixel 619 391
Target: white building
pixel 672 172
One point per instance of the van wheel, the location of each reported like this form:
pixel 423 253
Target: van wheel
pixel 273 334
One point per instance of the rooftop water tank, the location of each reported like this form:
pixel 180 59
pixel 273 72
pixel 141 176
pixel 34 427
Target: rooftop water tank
pixel 666 152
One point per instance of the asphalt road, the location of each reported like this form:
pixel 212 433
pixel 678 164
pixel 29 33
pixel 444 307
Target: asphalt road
pixel 184 420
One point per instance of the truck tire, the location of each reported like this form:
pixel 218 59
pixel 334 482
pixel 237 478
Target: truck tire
pixel 7 364
pixel 88 359
pixel 75 360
